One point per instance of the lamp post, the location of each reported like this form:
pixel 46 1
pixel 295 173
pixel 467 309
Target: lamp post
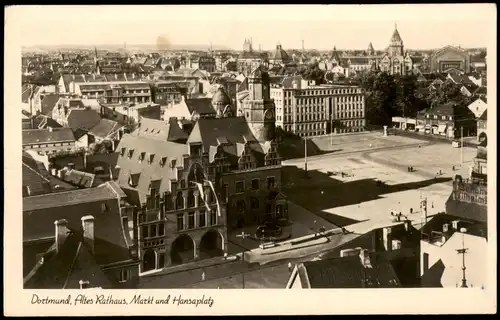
pixel 243 235
pixel 463 251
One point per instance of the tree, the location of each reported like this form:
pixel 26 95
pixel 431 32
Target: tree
pixel 380 98
pixel 406 103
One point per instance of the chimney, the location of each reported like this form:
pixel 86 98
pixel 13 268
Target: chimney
pixel 61 233
pixel 53 171
pixel 455 225
pixel 407 225
pixel 445 227
pixel 50 129
pixel 387 236
pixel 365 258
pixel 61 173
pixel 88 232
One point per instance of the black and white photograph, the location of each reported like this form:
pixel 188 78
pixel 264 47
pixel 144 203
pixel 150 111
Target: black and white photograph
pixel 249 147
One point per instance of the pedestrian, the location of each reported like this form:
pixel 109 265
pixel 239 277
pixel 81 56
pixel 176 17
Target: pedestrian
pixel 203 276
pixel 408 169
pixel 453 168
pixel 289 267
pixel 440 172
pixel 411 210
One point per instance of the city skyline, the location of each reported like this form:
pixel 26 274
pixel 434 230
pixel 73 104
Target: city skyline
pixel 343 26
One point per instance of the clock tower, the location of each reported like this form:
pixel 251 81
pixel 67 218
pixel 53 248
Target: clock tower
pixel 258 108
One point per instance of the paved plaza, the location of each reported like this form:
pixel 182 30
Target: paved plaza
pixel 357 199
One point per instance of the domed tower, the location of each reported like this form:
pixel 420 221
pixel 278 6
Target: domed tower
pixel 259 109
pixel 222 103
pixel 396 47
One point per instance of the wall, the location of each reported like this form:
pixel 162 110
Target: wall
pixel 50 147
pixel 250 216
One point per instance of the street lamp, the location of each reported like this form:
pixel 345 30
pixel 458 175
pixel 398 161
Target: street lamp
pixel 243 235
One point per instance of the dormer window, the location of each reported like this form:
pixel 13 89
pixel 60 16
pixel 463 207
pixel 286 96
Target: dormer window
pixel 142 156
pixel 130 153
pixel 173 163
pixel 151 158
pixel 163 160
pixel 122 152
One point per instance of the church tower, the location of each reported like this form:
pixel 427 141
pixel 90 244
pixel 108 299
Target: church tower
pixel 258 108
pixel 396 47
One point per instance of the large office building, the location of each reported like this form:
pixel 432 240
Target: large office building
pixel 308 110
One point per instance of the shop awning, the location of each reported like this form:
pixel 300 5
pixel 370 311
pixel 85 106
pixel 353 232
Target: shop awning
pixel 442 128
pixel 412 121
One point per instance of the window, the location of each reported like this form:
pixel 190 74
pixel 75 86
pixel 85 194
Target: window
pixel 203 219
pixel 191 220
pixel 224 192
pixel 104 207
pixel 145 232
pixel 213 217
pixel 179 202
pixel 183 184
pixel 180 221
pixel 254 203
pixel 255 184
pixel 270 182
pixel 190 199
pixel 123 275
pixel 240 186
pixel 161 229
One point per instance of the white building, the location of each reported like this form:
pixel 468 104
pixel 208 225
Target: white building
pixel 310 110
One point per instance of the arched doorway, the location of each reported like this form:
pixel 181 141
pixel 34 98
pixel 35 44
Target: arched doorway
pixel 149 260
pixel 211 245
pixel 482 137
pixel 182 250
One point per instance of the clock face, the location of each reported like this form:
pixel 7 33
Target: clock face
pixel 269 115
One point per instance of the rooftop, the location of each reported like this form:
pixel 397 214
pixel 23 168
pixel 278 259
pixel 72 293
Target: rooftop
pixel 38 136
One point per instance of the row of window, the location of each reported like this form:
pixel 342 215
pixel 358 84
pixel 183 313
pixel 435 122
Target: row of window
pixel 193 223
pixel 428 116
pixel 50 145
pixel 255 184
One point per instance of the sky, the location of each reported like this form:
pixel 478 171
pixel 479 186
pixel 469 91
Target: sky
pixel 320 26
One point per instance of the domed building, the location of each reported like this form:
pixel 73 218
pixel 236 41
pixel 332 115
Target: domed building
pixel 222 103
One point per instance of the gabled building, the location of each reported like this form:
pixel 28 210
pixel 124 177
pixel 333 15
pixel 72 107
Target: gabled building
pixel 482 126
pixel 49 140
pixel 450 57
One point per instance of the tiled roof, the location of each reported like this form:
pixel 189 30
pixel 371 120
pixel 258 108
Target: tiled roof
pixel 26 92
pixel 78 178
pixel 112 239
pixel 84 119
pixel 203 106
pixel 44 122
pixel 348 272
pixel 481 90
pixel 37 136
pixel 65 269
pixel 252 55
pixel 74 197
pixel 35 177
pixel 104 128
pixel 49 102
pixel 446 109
pixel 470 221
pixel 170 152
pixel 158 129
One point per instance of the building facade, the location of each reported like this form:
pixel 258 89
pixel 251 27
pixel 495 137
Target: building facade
pixel 318 110
pixel 450 57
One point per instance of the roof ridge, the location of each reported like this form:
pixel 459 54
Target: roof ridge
pixel 39 174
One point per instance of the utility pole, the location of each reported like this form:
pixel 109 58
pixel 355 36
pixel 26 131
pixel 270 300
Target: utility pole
pixel 461 146
pixel 243 235
pixel 305 157
pixel 331 132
